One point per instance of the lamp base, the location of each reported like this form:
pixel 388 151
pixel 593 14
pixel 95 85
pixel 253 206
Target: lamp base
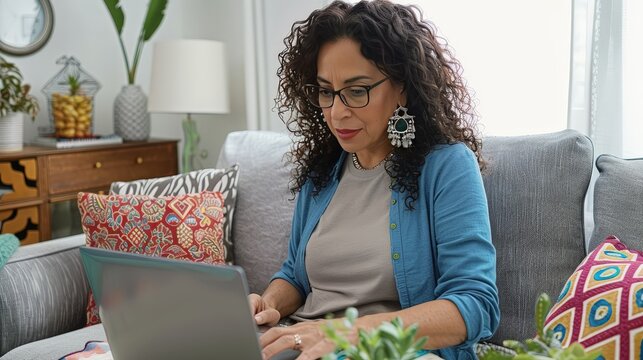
pixel 190 144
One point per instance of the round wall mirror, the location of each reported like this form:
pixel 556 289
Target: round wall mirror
pixel 25 25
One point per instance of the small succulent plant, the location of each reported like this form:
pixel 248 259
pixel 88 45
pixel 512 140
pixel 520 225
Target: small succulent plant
pixel 544 346
pixel 390 341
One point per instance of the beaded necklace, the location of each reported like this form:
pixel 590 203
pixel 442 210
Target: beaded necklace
pixel 358 166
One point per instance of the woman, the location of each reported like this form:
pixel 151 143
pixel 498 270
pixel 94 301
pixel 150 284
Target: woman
pixel 391 215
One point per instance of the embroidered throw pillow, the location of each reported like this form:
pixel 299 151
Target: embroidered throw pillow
pixel 187 227
pixel 601 305
pixel 221 180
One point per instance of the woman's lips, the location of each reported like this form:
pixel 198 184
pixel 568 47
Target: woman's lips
pixel 346 134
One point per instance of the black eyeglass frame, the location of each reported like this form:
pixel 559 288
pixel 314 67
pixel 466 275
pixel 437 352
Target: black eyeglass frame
pixel 368 89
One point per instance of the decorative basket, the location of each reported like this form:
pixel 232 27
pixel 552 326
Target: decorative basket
pixel 70 99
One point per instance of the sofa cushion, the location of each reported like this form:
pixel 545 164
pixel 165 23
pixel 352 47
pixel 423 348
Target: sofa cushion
pixel 52 304
pixel 187 227
pixel 535 188
pixel 601 305
pixel 618 201
pixel 57 346
pixel 261 227
pixel 221 180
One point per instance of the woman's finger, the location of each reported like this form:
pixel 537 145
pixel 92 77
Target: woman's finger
pixel 267 317
pixel 305 337
pixel 254 301
pixel 284 342
pixel 316 351
pixel 271 335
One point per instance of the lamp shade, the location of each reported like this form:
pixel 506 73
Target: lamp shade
pixel 189 77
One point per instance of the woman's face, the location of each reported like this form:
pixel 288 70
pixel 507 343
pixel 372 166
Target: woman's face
pixel 360 130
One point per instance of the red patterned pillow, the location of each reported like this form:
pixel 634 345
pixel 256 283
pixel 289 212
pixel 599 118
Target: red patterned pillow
pixel 601 305
pixel 187 227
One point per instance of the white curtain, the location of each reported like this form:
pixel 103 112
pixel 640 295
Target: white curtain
pixel 605 85
pixel 606 82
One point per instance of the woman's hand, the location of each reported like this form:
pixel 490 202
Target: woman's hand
pixel 307 337
pixel 263 312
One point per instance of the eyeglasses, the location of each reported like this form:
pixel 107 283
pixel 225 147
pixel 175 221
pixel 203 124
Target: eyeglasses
pixel 354 96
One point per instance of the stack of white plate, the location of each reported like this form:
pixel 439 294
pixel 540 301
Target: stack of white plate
pixel 11 132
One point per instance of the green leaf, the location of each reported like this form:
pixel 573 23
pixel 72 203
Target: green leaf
pixel 494 355
pixel 331 356
pixel 153 18
pixel 515 346
pixel 524 357
pixel 118 16
pixel 535 345
pixel 388 328
pixel 543 304
pixel 351 314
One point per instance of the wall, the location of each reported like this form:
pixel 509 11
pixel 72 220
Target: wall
pixel 515 55
pixel 85 30
pixel 272 22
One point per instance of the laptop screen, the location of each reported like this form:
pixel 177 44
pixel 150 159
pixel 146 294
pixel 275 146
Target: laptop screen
pixel 169 309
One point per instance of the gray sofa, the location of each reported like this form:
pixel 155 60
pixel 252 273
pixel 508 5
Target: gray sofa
pixel 536 187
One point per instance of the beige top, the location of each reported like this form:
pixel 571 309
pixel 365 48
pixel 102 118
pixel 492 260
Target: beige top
pixel 348 256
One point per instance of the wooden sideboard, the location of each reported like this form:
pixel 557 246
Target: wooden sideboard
pixel 35 179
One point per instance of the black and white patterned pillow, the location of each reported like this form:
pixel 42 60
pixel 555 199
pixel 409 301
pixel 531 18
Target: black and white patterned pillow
pixel 222 180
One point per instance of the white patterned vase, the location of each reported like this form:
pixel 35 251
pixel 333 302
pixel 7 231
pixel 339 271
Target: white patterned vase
pixel 131 119
pixel 11 131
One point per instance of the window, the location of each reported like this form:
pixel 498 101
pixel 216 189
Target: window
pixel 632 78
pixel 515 56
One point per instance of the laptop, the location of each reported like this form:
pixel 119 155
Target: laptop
pixel 158 308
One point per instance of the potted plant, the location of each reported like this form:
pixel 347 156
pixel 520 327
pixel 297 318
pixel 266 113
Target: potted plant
pixel 131 119
pixel 392 341
pixel 389 341
pixel 15 101
pixel 544 346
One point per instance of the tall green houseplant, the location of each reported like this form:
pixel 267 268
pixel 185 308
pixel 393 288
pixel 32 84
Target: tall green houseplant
pixel 131 118
pixel 153 19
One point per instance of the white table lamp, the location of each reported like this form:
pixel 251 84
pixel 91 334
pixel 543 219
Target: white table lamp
pixel 189 77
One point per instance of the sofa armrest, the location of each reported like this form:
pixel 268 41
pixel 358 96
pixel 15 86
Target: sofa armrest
pixel 43 292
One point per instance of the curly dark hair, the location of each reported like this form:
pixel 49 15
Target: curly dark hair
pixel 407 50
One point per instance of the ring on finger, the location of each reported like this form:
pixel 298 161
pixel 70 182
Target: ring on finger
pixel 297 341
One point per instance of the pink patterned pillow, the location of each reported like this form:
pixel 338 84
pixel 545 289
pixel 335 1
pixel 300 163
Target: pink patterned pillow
pixel 601 305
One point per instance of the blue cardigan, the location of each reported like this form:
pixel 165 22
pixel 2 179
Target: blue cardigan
pixel 440 250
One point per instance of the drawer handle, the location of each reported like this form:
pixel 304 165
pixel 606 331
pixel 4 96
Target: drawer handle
pixel 98 165
pixel 139 160
pixel 101 192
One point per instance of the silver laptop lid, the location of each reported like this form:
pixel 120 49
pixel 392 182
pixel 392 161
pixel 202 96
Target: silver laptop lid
pixel 156 308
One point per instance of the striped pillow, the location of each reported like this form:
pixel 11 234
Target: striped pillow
pixel 220 180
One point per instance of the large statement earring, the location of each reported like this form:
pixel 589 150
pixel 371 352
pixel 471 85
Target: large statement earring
pixel 401 130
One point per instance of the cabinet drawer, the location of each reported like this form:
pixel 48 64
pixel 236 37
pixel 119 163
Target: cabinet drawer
pixel 75 172
pixel 22 222
pixel 18 179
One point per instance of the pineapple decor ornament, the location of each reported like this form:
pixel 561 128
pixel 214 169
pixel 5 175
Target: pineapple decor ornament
pixel 71 100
